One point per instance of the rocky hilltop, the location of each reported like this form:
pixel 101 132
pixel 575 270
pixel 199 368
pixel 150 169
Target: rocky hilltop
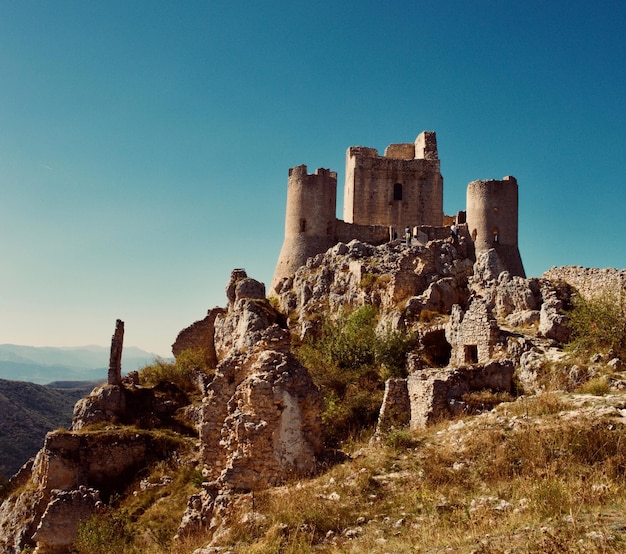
pixel 255 419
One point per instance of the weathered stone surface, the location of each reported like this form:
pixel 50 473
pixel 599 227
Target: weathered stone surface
pixel 473 334
pixel 199 337
pixel 105 403
pixel 115 360
pixel 396 408
pixel 590 281
pixel 106 461
pixel 488 266
pixel 249 314
pixel 392 277
pixel 436 394
pixel 261 418
pixel 130 404
pixel 552 320
pixel 59 524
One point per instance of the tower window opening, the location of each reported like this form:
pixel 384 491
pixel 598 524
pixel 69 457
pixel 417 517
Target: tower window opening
pixel 302 225
pixel 397 191
pixel 496 235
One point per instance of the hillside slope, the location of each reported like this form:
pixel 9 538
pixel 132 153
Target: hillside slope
pixel 27 412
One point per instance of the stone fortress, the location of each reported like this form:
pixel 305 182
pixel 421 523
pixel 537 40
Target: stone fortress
pixel 385 194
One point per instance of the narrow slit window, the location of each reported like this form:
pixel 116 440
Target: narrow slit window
pixel 496 235
pixel 302 225
pixel 397 191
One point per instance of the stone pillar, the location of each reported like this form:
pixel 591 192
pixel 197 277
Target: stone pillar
pixel 115 361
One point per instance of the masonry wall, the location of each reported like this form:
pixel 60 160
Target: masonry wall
pixel 310 220
pixel 590 282
pixel 492 208
pixel 473 334
pixel 402 188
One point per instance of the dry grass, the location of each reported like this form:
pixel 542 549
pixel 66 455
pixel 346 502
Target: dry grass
pixel 535 482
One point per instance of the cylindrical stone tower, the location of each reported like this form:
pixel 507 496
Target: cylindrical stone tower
pixel 310 220
pixel 492 220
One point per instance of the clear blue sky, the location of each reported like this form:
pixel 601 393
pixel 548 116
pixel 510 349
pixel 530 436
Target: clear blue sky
pixel 145 145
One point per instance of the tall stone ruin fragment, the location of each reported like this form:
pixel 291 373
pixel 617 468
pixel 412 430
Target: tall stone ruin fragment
pixel 115 360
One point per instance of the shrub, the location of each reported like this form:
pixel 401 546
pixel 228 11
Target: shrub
pixel 598 386
pixel 102 534
pixel 180 372
pixel 598 324
pixel 349 363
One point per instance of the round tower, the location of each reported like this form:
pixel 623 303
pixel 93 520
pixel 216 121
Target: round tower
pixel 492 220
pixel 310 219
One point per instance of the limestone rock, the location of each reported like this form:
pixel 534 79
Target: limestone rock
pixel 59 524
pixel 488 266
pixel 261 418
pixel 249 314
pixel 392 277
pixel 552 320
pixel 131 405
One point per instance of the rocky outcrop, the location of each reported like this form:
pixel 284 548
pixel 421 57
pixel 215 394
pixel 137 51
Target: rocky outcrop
pixel 130 404
pixel 261 418
pixel 248 314
pixel 552 318
pixel 68 477
pixel 65 512
pixel 392 277
pixel 260 421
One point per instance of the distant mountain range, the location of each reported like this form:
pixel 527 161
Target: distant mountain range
pixel 44 364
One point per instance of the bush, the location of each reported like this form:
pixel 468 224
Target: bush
pixel 598 324
pixel 180 372
pixel 102 534
pixel 349 362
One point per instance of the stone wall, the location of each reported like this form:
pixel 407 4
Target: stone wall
pixel 402 188
pixel 473 334
pixel 199 337
pixel 436 394
pixel 431 395
pixel 590 282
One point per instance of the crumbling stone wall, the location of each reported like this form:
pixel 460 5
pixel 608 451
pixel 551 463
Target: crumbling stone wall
pixel 436 394
pixel 473 334
pixel 199 337
pixel 590 282
pixel 395 410
pixel 430 395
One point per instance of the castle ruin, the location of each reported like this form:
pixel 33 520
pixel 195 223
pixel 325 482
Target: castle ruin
pixel 385 194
